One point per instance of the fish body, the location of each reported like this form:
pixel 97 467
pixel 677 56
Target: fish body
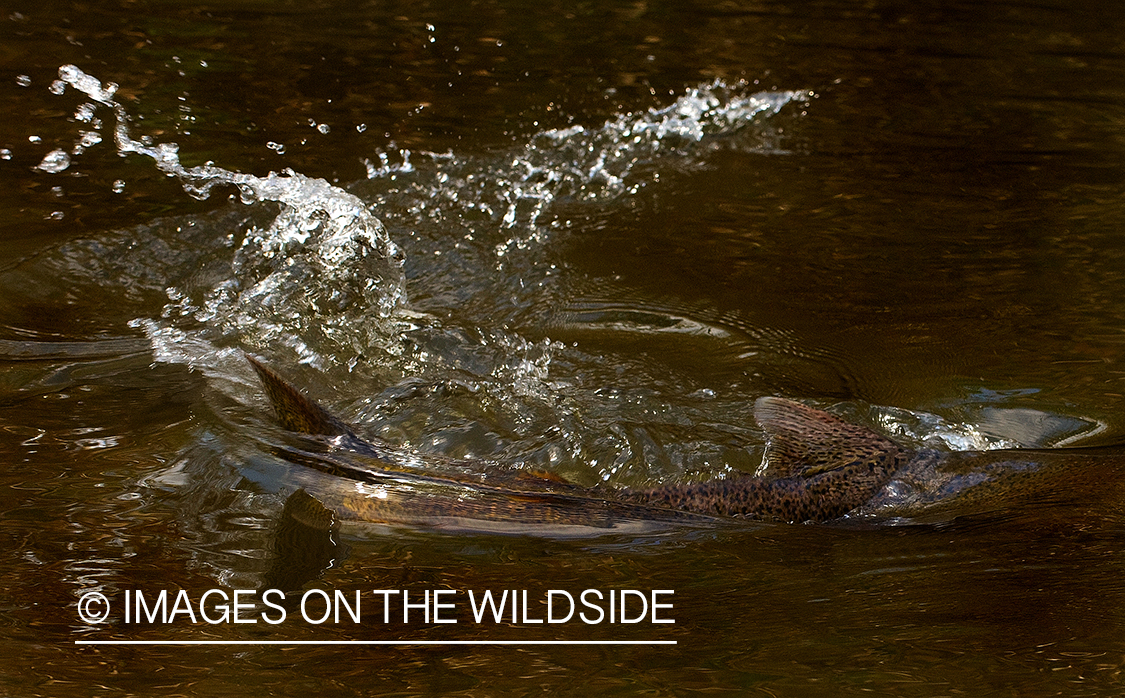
pixel 820 468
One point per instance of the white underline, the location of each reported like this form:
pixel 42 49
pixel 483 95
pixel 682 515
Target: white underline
pixel 375 642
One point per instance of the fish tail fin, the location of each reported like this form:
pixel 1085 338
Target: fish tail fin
pixel 296 411
pixel 803 441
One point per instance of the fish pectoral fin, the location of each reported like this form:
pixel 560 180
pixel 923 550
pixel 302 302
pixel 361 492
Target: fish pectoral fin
pixel 296 411
pixel 802 441
pixel 303 546
pixel 307 510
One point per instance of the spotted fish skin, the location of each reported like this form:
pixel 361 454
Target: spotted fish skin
pixel 825 466
pixel 821 467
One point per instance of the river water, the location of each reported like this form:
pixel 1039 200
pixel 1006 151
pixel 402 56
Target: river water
pixel 574 237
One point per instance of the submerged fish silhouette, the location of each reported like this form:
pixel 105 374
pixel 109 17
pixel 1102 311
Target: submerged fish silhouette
pixel 820 468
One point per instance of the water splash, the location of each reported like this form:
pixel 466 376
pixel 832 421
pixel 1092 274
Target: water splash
pixel 926 430
pixel 311 275
pixel 324 266
pixel 520 190
pixel 621 156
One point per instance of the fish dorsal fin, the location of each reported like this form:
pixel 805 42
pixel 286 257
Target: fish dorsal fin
pixel 805 441
pixel 295 411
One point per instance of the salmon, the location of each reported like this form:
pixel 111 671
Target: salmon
pixel 820 468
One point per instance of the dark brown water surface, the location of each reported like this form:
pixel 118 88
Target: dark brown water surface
pixel 609 228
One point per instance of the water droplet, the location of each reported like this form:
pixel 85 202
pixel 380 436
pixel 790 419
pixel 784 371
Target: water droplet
pixel 56 161
pixel 85 113
pixel 34 139
pixel 23 80
pixel 5 154
pixel 247 194
pixel 323 128
pixel 56 216
pixel 279 147
pixel 361 128
pixel 118 186
pixel 88 138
